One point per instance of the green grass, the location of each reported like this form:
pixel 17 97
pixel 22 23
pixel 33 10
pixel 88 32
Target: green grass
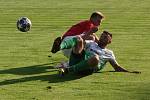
pixel 26 70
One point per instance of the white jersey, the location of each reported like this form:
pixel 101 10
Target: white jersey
pixel 104 54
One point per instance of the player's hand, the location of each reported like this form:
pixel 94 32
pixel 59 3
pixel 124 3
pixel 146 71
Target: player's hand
pixel 91 31
pixel 136 72
pixel 94 29
pixel 119 69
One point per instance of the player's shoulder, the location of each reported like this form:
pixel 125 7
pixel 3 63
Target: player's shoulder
pixel 90 42
pixel 85 22
pixel 108 51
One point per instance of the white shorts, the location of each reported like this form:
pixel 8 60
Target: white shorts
pixel 67 52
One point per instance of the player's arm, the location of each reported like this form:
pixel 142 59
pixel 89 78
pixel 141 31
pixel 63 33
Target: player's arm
pixel 116 66
pixel 92 30
pixel 96 37
pixel 90 35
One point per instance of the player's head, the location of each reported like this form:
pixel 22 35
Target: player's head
pixel 105 38
pixel 96 18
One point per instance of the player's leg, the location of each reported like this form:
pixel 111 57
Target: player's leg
pixel 69 42
pixel 76 47
pixel 90 63
pixel 77 54
pixel 66 43
pixel 78 62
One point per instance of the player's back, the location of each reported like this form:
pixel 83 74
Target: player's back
pixel 79 28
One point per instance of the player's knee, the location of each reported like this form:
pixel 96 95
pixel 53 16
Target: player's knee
pixel 94 60
pixel 79 39
pixel 80 43
pixel 79 47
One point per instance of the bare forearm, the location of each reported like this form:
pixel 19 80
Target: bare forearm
pixel 117 67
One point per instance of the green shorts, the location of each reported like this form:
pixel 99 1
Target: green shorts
pixel 76 58
pixel 85 55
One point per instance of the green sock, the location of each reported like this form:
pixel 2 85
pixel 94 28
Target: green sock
pixel 68 43
pixel 80 66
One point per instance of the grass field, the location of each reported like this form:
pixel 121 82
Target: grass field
pixel 26 71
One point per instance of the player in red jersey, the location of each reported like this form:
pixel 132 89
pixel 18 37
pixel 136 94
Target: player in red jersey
pixel 86 29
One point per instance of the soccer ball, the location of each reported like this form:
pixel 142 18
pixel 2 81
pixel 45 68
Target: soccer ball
pixel 24 24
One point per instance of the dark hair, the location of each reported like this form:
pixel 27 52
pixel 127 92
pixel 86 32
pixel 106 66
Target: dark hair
pixel 106 32
pixel 95 14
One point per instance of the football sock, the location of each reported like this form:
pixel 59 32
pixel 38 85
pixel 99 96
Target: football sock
pixel 79 66
pixel 68 43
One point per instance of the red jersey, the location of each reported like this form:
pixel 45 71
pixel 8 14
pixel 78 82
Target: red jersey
pixel 83 26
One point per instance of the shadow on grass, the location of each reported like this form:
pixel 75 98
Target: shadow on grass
pixel 54 78
pixel 29 70
pixel 33 74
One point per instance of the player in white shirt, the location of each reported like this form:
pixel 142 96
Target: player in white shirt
pixel 104 54
pixel 89 56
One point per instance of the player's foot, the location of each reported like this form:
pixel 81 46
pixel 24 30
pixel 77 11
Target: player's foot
pixel 56 45
pixel 63 69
